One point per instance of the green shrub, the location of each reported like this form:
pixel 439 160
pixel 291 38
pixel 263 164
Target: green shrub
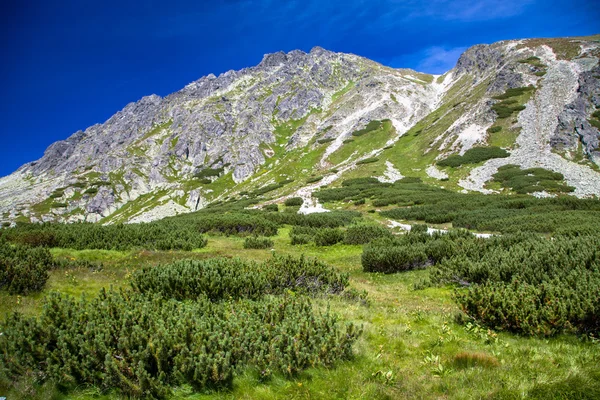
pixel 258 243
pixel 513 92
pixel 91 191
pixel 326 140
pixel 384 256
pixel 473 156
pixel 361 234
pixel 160 235
pixel 271 207
pixel 367 161
pixel 528 284
pixel 359 202
pixel 314 179
pixel 209 172
pixel 222 278
pixel 371 126
pixel 418 228
pixel 328 236
pixel 494 129
pixel 530 180
pixel 143 344
pixel 23 269
pixel 294 201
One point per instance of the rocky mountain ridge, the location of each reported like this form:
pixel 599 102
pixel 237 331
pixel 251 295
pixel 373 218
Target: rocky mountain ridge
pixel 301 120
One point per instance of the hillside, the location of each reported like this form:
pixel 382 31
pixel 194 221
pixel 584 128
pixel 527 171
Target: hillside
pixel 298 121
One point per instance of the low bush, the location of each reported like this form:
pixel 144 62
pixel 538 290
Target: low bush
pixel 258 243
pixel 224 278
pixel 371 126
pixel 328 236
pixel 142 345
pixel 313 179
pixel 367 160
pixel 271 207
pixel 326 140
pixel 294 201
pixel 361 234
pixel 473 156
pixel 23 269
pixel 387 257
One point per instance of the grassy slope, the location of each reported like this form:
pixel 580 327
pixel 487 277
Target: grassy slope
pixel 409 343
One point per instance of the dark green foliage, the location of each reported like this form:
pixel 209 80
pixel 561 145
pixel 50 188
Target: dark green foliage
pixel 79 185
pixel 59 205
pixel 209 172
pixel 160 235
pixel 359 202
pixel 23 269
pixel 328 236
pixel 293 201
pixel 494 129
pixel 326 140
pixel 367 161
pixel 237 223
pixel 596 114
pixel 91 190
pixel 513 92
pixel 410 179
pixel 361 234
pixel 302 235
pixel 528 284
pixel 56 194
pixel 196 323
pixel 271 207
pixel 506 108
pixel 473 156
pixel 346 141
pixel 418 228
pixel 314 179
pixel 223 278
pixel 361 181
pixel 595 123
pixel 142 345
pixel 386 256
pixel 371 126
pixel 300 239
pixel 531 180
pixel 253 242
pixel 332 219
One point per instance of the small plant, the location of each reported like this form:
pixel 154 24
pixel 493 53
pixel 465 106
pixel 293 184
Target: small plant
pixel 294 201
pixel 314 179
pixel 253 242
pixel 367 161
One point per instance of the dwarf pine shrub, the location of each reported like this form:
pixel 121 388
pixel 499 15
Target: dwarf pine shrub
pixel 254 242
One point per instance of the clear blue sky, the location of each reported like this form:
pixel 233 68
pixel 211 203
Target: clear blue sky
pixel 69 64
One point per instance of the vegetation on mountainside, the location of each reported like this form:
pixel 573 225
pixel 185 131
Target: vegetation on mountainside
pixel 444 324
pixel 473 156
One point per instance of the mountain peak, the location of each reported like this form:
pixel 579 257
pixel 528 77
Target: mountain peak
pixel 223 136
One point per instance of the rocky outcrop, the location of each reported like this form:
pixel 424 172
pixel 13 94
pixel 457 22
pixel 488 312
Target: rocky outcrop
pixel 160 156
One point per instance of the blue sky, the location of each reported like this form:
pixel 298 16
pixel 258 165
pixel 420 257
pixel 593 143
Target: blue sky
pixel 70 64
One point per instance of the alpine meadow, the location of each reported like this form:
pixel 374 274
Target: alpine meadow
pixel 318 226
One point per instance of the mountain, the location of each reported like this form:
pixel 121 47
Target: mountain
pixel 299 120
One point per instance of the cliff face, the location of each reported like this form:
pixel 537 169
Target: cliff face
pixel 293 116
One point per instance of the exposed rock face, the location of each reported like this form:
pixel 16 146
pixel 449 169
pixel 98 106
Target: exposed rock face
pixel 291 116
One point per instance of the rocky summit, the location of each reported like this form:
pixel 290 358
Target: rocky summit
pixel 298 121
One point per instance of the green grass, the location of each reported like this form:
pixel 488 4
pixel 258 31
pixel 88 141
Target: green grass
pixel 374 136
pixel 412 346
